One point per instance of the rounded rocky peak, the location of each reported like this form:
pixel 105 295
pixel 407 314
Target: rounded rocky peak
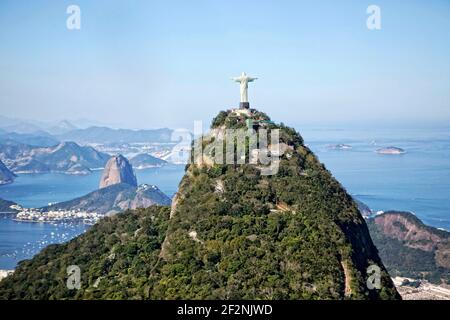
pixel 118 170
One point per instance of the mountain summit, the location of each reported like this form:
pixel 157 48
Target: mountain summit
pixel 234 231
pixel 118 170
pixel 240 232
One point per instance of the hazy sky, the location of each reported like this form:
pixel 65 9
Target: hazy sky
pixel 147 64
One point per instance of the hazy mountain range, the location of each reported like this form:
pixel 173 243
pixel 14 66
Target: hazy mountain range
pixel 107 135
pixel 34 147
pixel 66 157
pixel 47 134
pixel 38 139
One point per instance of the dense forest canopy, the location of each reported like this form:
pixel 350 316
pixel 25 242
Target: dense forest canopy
pixel 233 233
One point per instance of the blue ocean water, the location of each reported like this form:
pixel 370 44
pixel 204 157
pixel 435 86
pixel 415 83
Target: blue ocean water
pixel 22 240
pixel 37 190
pixel 418 181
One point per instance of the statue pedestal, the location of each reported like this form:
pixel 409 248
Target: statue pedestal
pixel 244 105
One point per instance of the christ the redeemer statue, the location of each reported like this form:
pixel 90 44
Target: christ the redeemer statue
pixel 243 79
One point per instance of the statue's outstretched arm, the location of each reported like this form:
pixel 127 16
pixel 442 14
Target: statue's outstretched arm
pixel 236 79
pixel 252 79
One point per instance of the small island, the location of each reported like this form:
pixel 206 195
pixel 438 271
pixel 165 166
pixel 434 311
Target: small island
pixel 340 146
pixel 391 150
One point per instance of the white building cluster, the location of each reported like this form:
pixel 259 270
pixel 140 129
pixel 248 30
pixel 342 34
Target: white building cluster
pixel 35 215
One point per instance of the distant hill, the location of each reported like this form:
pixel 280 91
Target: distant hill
pixel 38 139
pixel 5 206
pixel 143 161
pixel 66 157
pixel 410 248
pixel 107 135
pixel 61 127
pixel 35 127
pixel 50 134
pixel 19 126
pixel 114 199
pixel 6 176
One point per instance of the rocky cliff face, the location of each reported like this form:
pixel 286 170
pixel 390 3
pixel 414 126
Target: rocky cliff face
pixel 411 248
pixel 6 176
pixel 406 227
pixel 118 170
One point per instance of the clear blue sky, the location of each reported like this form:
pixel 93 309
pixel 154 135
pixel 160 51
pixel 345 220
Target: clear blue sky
pixel 146 64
